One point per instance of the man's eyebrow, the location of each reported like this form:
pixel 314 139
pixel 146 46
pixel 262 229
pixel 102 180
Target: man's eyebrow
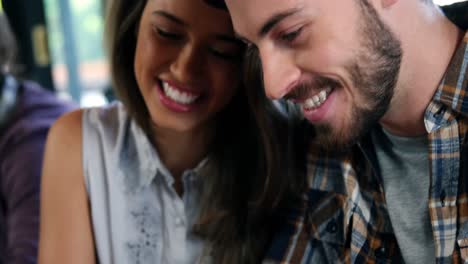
pixel 275 19
pixel 170 17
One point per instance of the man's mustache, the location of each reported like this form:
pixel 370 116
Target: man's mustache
pixel 303 90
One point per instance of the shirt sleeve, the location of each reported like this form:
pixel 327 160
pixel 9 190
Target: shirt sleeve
pixel 20 183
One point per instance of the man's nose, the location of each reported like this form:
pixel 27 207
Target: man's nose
pixel 279 72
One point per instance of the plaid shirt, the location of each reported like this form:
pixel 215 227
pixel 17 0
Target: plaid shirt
pixel 344 216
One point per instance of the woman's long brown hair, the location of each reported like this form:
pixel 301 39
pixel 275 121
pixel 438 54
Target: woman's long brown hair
pixel 261 174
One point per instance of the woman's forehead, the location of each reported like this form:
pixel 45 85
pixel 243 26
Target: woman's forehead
pixel 194 13
pixel 197 7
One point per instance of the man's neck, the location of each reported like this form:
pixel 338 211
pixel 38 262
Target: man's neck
pixel 428 50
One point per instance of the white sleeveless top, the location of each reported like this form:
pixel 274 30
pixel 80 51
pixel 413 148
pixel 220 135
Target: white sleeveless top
pixel 137 216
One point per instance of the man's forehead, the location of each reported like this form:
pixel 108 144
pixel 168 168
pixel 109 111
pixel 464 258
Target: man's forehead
pixel 250 16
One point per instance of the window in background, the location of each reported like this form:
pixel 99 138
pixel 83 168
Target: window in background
pixel 447 2
pixel 79 66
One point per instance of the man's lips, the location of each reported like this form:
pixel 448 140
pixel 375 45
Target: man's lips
pixel 309 89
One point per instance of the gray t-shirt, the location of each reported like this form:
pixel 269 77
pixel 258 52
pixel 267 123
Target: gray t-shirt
pixel 404 166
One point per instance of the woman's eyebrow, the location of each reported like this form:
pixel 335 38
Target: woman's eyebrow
pixel 170 17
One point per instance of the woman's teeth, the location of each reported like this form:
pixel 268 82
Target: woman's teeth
pixel 316 100
pixel 177 95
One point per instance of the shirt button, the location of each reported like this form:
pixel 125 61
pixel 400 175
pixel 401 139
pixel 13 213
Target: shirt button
pixel 442 198
pixel 332 227
pixel 380 252
pixel 439 112
pixel 179 222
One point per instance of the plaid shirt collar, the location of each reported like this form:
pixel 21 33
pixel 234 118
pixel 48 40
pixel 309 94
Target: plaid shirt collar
pixel 452 93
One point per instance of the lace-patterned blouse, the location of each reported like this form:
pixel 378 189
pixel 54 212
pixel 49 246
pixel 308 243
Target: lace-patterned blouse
pixel 136 214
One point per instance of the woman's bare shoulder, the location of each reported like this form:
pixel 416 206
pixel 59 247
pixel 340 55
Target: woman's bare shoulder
pixel 65 232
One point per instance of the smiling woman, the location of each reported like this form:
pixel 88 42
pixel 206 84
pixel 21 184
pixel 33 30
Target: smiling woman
pixel 172 45
pixel 174 173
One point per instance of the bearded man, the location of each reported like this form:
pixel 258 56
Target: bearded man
pixel 384 87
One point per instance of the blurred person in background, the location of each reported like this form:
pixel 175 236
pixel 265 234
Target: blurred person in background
pixel 26 113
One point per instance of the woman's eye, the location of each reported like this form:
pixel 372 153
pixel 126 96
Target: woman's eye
pixel 231 56
pixel 167 35
pixel 291 36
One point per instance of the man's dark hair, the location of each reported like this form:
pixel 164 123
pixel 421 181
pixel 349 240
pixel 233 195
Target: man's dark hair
pixel 458 14
pixel 217 3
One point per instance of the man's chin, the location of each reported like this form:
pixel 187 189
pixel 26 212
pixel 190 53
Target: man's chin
pixel 333 140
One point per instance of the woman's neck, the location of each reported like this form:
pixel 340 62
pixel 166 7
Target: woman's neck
pixel 184 150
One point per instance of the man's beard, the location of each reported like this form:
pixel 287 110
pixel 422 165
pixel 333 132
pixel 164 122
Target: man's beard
pixel 374 73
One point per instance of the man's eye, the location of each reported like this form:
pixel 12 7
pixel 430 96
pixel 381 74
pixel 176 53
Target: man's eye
pixel 291 36
pixel 167 35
